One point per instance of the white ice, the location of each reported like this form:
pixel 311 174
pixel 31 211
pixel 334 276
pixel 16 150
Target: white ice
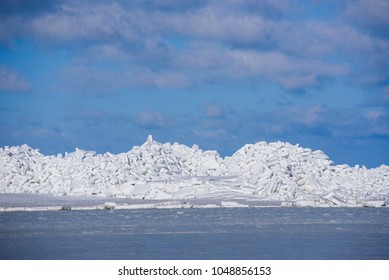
pixel 278 172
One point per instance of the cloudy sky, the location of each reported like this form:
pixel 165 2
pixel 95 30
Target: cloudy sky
pixel 102 75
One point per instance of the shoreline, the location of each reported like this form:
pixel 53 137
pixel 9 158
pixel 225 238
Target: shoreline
pixel 18 202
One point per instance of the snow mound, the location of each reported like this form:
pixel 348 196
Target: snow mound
pixel 263 171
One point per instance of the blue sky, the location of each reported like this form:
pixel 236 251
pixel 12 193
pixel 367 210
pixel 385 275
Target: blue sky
pixel 102 75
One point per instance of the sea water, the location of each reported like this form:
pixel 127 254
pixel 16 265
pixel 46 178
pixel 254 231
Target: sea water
pixel 224 233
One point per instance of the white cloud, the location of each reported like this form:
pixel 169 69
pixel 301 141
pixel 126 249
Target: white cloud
pixel 222 39
pixel 288 71
pixel 214 110
pixel 148 119
pixel 374 114
pixel 372 13
pixel 307 116
pixel 163 79
pixel 12 81
pixel 214 25
pixel 315 38
pixel 78 21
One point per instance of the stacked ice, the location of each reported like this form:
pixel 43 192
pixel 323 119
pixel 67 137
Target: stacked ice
pixel 257 172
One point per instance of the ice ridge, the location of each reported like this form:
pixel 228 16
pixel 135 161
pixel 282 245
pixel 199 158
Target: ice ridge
pixel 274 171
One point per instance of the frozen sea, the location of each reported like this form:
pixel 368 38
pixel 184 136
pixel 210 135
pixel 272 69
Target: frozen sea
pixel 219 233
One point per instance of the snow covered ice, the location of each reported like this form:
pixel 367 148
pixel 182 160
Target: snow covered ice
pixel 261 172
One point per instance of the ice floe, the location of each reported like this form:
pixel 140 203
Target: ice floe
pixel 277 171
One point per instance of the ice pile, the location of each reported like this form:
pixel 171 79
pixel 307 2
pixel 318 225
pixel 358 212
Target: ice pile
pixel 257 172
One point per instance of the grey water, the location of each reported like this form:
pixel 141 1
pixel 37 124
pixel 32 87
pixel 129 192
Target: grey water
pixel 224 233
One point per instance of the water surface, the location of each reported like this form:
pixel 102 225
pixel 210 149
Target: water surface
pixel 226 233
